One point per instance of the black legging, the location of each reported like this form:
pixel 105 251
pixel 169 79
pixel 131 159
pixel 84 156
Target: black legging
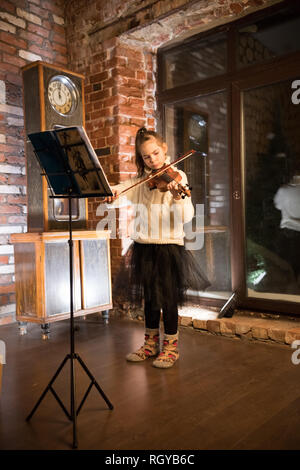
pixel 170 318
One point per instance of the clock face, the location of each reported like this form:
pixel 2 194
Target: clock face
pixel 62 95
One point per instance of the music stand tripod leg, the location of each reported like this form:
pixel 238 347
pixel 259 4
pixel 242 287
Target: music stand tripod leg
pixel 46 143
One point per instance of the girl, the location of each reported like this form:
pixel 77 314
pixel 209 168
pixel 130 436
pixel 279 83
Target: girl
pixel 159 269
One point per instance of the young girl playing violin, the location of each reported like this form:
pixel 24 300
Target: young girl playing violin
pixel 159 269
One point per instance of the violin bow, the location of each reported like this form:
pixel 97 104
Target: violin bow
pixel 159 172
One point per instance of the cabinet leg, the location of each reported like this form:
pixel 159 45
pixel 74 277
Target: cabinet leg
pixel 105 316
pixel 45 330
pixel 22 327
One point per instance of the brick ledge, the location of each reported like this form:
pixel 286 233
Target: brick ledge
pixel 241 326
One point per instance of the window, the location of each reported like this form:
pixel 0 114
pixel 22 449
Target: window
pixel 227 93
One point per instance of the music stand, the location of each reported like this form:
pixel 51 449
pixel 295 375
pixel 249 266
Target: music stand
pixel 72 169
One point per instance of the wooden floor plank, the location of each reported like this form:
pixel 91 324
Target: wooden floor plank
pixel 221 394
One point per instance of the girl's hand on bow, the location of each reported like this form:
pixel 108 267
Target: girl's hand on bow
pixel 110 199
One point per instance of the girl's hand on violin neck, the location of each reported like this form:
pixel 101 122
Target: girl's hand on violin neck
pixel 174 190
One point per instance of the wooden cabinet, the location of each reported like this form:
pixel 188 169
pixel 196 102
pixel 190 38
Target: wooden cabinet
pixel 42 275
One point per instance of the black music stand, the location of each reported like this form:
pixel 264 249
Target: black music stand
pixel 72 169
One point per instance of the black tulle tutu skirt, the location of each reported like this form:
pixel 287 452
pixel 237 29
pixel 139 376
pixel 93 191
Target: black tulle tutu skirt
pixel 159 273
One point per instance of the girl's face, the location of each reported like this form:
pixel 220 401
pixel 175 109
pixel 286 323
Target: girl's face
pixel 153 153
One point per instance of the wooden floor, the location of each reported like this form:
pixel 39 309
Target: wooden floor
pixel 221 394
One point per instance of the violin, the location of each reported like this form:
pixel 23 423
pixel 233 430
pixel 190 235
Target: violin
pixel 161 182
pixel 163 176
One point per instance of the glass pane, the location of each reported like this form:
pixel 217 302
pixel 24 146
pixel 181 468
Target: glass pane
pixel 57 274
pixel 269 37
pixel 272 191
pixel 96 284
pixel 61 209
pixel 201 124
pixel 195 61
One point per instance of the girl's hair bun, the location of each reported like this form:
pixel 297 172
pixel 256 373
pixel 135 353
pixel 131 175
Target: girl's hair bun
pixel 142 131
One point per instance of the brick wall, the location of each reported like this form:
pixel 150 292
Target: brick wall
pixel 29 31
pixel 119 100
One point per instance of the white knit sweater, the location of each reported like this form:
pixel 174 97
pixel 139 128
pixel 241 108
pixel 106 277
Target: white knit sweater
pixel 158 217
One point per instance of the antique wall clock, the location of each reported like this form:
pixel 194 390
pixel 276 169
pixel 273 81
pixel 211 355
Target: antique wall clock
pixel 53 96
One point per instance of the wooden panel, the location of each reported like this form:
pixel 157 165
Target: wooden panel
pixel 25 266
pixel 95 273
pixel 32 106
pixel 58 236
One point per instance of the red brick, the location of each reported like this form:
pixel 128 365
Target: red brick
pixel 59 48
pixel 16 79
pixel 100 143
pixel 53 8
pixel 130 91
pixel 40 51
pixel 115 62
pixel 292 335
pixel 46 24
pixel 9 209
pixel 12 40
pixel 124 72
pixel 10 68
pixel 5 279
pixel 41 12
pixel 259 332
pixel 7 289
pixel 34 28
pixel 14 219
pixel 59 29
pixel 130 53
pixel 8 48
pixel 131 111
pixel 99 77
pixel 8 7
pixel 15 159
pixel 17 61
pixel 136 102
pixel 135 65
pixel 18 180
pixel 31 37
pixel 213 326
pixel 6 320
pixel 104 132
pixel 60 38
pixel 128 130
pixel 17 199
pixel 141 75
